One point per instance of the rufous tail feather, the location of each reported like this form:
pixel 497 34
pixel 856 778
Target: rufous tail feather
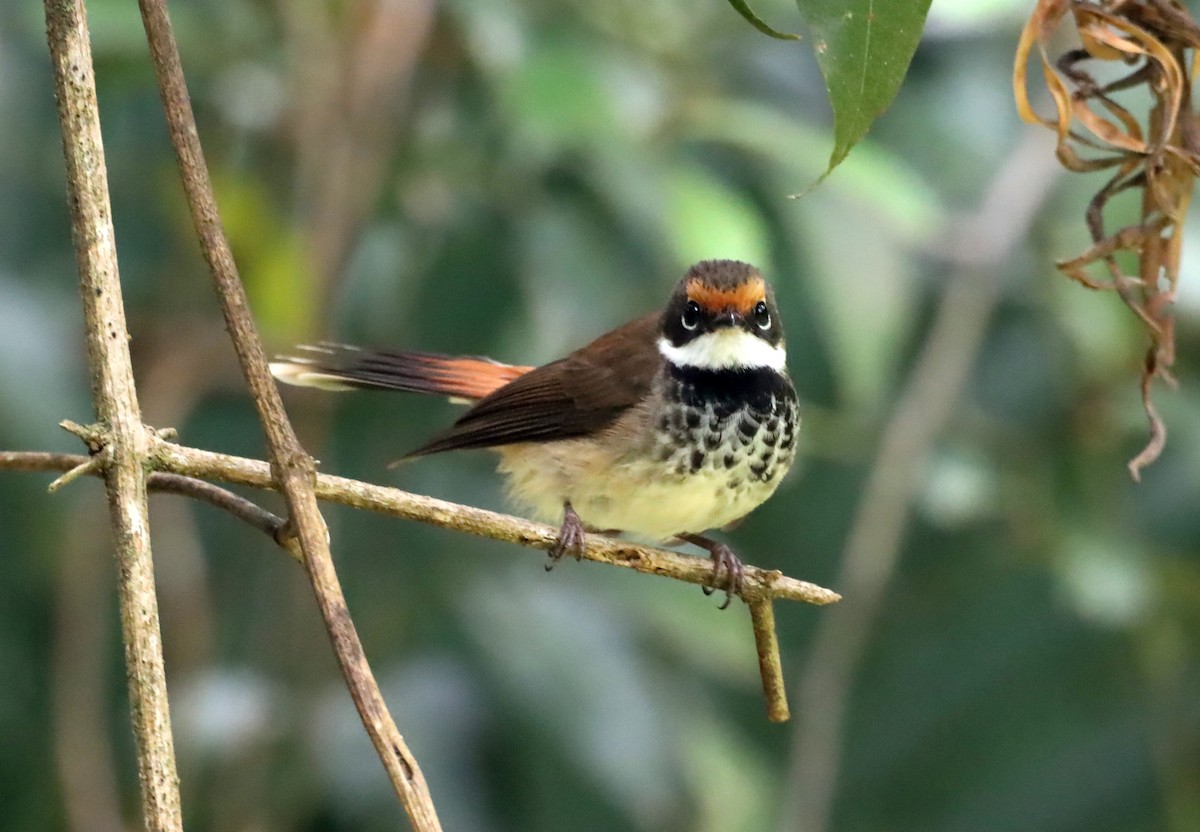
pixel 343 367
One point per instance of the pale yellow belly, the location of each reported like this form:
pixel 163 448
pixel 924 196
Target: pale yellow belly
pixel 643 497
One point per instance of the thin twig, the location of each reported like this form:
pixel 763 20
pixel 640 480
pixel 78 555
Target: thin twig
pixel 294 469
pixel 40 461
pixel 873 546
pixel 770 667
pixel 89 466
pixel 115 399
pixel 270 524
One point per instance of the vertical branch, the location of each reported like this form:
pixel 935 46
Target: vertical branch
pixel 770 667
pixel 291 466
pixel 115 397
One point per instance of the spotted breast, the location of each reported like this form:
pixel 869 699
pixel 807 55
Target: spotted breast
pixel 731 432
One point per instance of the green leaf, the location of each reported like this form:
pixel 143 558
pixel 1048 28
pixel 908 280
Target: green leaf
pixel 743 8
pixel 863 48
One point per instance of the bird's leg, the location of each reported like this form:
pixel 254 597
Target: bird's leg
pixel 722 558
pixel 570 537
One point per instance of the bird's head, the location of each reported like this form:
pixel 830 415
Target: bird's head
pixel 722 316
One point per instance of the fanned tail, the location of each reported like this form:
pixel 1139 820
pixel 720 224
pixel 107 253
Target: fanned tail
pixel 343 367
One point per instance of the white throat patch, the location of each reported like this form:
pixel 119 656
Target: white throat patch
pixel 725 349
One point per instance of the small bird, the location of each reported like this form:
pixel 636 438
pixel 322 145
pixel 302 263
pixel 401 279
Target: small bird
pixel 678 422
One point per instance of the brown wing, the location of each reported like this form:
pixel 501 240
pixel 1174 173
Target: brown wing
pixel 576 395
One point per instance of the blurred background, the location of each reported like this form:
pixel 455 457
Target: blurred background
pixel 1019 648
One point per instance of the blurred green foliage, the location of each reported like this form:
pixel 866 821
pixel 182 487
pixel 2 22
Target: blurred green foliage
pixel 513 177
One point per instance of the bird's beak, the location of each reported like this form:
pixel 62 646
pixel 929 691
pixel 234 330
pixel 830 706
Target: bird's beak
pixel 728 318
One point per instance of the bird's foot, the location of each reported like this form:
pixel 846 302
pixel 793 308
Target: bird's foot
pixel 725 560
pixel 570 538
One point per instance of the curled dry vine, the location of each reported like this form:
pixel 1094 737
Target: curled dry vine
pixel 1152 44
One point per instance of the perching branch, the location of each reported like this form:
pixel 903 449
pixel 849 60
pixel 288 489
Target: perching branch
pixel 115 398
pixel 758 583
pixel 187 467
pixel 292 467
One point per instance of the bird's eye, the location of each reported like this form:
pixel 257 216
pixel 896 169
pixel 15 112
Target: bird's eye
pixel 691 315
pixel 762 315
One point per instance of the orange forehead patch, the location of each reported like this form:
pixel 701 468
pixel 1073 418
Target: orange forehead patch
pixel 741 298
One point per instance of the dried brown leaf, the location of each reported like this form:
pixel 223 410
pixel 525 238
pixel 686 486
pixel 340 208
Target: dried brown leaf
pixel 1157 153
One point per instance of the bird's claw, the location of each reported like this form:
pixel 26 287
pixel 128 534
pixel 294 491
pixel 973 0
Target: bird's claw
pixel 723 558
pixel 570 538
